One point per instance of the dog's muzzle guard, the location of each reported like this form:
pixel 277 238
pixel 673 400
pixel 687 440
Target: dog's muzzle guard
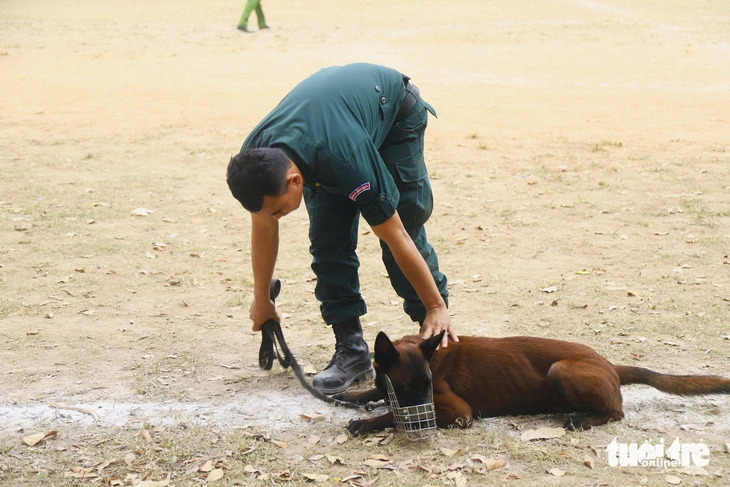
pixel 417 422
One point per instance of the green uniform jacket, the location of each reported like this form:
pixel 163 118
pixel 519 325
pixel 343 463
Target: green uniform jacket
pixel 331 126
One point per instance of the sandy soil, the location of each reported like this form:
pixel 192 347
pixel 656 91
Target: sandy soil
pixel 580 168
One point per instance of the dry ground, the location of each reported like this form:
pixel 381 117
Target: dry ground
pixel 580 168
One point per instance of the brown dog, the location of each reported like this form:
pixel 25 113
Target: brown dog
pixel 480 377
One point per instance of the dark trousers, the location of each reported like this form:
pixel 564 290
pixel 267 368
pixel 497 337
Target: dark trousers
pixel 334 221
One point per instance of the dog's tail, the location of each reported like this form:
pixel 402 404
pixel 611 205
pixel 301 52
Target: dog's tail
pixel 684 385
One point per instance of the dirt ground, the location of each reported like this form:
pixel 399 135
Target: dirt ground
pixel 580 169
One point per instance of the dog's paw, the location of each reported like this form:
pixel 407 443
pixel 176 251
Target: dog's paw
pixel 358 427
pixel 575 423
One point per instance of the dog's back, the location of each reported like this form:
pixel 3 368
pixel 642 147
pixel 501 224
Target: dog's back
pixel 501 376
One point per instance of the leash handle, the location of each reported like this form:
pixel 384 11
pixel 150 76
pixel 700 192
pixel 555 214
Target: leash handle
pixel 266 351
pixel 271 334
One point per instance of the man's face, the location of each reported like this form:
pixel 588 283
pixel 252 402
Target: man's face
pixel 282 205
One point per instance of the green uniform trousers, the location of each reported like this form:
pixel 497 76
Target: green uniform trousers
pixel 252 5
pixel 333 230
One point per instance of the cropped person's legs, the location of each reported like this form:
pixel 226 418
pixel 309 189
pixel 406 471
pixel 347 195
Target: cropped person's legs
pixel 333 240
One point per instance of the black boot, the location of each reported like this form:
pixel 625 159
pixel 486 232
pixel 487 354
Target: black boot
pixel 350 363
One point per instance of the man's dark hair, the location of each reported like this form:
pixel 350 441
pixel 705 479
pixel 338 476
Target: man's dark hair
pixel 255 173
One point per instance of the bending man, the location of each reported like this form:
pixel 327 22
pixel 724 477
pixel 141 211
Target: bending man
pixel 349 139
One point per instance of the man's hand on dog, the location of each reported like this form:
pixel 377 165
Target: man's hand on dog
pixel 438 320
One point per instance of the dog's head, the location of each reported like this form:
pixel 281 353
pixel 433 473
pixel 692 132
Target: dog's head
pixel 406 363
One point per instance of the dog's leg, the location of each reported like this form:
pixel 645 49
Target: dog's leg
pixel 588 386
pixel 360 397
pixel 452 411
pixel 358 427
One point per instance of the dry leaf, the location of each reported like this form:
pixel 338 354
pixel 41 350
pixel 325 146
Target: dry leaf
pixel 146 435
pixel 105 464
pixel 542 434
pixel 589 462
pixel 312 418
pixel 387 439
pixel 673 479
pixel 375 463
pixel 283 476
pixel 340 439
pixel 315 477
pixel 278 443
pixel 458 478
pixel 32 440
pixel 215 474
pixel 80 473
pixel 449 452
pixel 550 289
pixel 490 463
pixel 129 458
pixel 556 472
pixel 154 483
pixel 206 467
pixel 334 459
pixel 313 439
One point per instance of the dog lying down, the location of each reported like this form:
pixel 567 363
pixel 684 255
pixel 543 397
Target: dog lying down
pixel 480 377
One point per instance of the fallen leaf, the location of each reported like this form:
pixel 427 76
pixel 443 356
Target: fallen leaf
pixel 146 435
pixel 550 289
pixel 315 477
pixel 490 463
pixel 542 434
pixel 312 418
pixel 283 476
pixel 375 463
pixel 278 443
pixel 129 458
pixel 556 472
pixel 334 459
pixel 340 439
pixel 154 483
pixel 458 478
pixel 673 479
pixel 387 439
pixel 215 474
pixel 206 467
pixel 589 462
pixel 105 464
pixel 80 473
pixel 34 439
pixel 449 452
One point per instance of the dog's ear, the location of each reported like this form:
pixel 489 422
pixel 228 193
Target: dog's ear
pixel 385 352
pixel 429 346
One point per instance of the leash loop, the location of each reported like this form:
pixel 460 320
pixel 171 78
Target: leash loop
pixel 272 339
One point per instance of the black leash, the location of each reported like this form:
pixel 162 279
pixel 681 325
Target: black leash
pixel 271 334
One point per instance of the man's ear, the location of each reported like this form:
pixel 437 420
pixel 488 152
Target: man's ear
pixel 385 352
pixel 294 178
pixel 429 346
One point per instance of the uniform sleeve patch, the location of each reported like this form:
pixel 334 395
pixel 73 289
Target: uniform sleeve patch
pixel 359 190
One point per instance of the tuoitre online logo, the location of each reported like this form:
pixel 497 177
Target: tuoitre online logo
pixel 657 454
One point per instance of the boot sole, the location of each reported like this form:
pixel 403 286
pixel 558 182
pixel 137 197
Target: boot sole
pixel 362 376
